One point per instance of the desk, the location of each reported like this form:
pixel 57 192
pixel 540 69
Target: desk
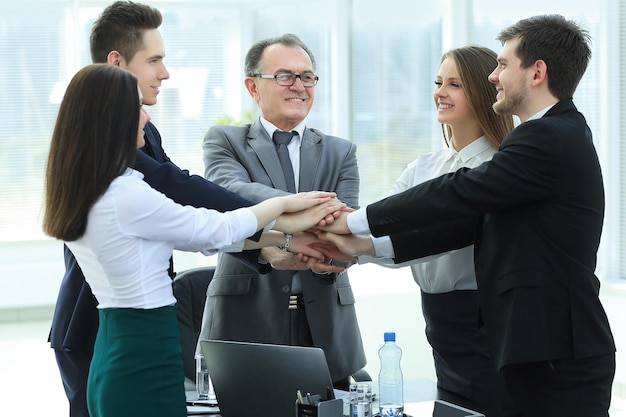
pixel 420 397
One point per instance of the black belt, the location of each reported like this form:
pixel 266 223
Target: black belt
pixel 447 303
pixel 296 301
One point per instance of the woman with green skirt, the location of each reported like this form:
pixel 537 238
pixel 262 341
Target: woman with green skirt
pixel 122 233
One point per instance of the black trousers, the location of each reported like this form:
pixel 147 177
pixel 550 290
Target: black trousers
pixel 565 387
pixel 461 353
pixel 300 335
pixel 74 369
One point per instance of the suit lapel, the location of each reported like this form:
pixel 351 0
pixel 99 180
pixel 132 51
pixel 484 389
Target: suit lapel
pixel 152 146
pixel 264 147
pixel 310 156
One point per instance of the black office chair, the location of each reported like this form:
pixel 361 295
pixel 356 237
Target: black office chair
pixel 361 376
pixel 190 288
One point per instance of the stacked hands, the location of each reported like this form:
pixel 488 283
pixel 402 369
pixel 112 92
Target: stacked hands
pixel 317 222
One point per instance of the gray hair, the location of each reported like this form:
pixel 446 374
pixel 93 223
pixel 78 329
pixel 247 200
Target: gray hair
pixel 253 64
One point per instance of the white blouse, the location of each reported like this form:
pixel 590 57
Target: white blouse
pixel 131 233
pixel 448 271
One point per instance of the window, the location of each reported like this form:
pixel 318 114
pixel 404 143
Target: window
pixel 376 63
pixel 395 57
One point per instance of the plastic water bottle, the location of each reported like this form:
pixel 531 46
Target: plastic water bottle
pixel 390 378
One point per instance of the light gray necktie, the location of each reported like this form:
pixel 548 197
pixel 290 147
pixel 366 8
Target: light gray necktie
pixel 282 139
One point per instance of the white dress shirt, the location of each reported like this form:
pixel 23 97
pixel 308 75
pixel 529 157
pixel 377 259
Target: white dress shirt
pixel 444 272
pixel 293 146
pixel 294 155
pixel 131 233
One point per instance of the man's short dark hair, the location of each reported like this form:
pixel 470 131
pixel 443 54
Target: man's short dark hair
pixel 562 44
pixel 120 28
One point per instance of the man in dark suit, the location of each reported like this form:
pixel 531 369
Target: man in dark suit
pixel 535 214
pixel 300 306
pixel 75 320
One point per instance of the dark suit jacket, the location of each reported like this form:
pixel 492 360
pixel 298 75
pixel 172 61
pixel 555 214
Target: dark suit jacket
pixel 245 306
pixel 75 320
pixel 535 214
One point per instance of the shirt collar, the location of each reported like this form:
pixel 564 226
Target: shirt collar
pixel 470 151
pixel 133 173
pixel 270 128
pixel 540 113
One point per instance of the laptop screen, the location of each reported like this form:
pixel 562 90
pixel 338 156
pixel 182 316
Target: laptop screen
pixel 252 379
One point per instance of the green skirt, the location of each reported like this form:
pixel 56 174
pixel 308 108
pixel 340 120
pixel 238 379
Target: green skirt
pixel 137 367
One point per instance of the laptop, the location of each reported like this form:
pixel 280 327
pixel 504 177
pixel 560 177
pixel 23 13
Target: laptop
pixel 257 379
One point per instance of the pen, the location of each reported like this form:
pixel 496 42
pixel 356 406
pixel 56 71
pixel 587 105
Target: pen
pixel 203 403
pixel 309 399
pixel 299 395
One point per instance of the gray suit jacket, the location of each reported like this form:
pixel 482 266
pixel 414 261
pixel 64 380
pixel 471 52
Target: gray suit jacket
pixel 244 305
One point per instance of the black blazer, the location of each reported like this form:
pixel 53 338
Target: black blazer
pixel 75 319
pixel 535 214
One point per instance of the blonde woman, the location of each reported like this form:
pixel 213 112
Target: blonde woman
pixel 472 131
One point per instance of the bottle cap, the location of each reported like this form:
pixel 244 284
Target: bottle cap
pixel 390 336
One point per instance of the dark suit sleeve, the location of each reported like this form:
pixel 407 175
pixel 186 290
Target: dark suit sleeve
pixel 433 239
pixel 75 320
pixel 526 169
pixel 195 191
pixel 153 146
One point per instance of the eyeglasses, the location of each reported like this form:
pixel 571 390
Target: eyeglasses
pixel 287 79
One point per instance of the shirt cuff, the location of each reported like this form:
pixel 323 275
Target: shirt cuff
pixel 357 222
pixel 383 247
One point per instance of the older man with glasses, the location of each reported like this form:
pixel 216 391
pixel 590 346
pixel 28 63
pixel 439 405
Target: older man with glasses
pixel 296 303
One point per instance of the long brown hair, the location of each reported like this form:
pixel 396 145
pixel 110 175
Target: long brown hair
pixel 474 64
pixel 94 141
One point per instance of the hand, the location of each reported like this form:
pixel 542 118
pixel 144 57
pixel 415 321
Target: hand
pixel 302 243
pixel 325 267
pixel 329 250
pixel 338 226
pixel 330 219
pixel 287 261
pixel 302 201
pixel 351 245
pixel 305 219
pixel 284 261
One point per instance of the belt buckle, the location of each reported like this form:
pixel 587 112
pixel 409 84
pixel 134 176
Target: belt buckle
pixel 294 301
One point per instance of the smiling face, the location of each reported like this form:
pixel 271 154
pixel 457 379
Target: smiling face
pixel 283 106
pixel 449 95
pixel 147 65
pixel 512 82
pixel 453 108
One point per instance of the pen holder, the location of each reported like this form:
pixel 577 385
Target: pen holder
pixel 328 408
